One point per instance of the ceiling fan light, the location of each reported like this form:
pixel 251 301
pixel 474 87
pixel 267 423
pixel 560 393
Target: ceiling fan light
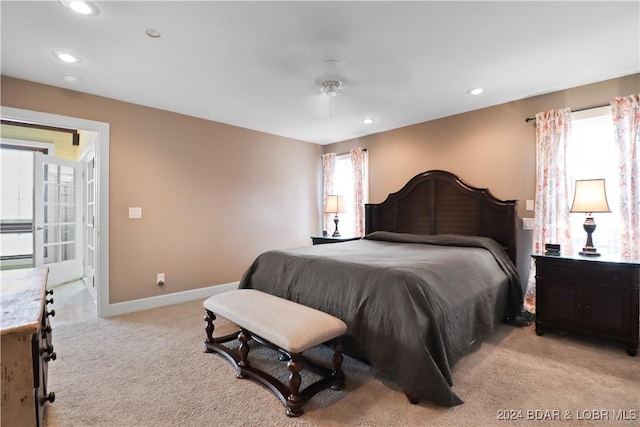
pixel 330 87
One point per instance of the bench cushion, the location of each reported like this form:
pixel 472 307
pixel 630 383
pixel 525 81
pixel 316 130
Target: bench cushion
pixel 286 324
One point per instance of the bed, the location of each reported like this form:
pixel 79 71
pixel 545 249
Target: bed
pixel 434 273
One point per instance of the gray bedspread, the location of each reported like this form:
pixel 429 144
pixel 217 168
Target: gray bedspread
pixel 413 304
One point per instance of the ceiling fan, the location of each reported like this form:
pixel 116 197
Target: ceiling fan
pixel 361 89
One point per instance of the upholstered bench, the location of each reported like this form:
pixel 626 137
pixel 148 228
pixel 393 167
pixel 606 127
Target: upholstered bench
pixel 286 326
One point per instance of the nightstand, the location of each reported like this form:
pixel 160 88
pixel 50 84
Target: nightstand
pixel 321 240
pixel 593 296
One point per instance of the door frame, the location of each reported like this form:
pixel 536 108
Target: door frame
pixel 102 189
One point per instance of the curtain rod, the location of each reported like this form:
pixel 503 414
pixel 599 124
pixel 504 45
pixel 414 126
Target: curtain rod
pixel 75 135
pixel 342 154
pixel 529 119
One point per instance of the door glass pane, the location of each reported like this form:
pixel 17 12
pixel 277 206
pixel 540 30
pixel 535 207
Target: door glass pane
pixel 50 193
pixel 67 251
pixel 67 214
pixel 50 173
pixel 67 233
pixel 51 233
pixel 67 175
pixel 67 194
pixel 51 253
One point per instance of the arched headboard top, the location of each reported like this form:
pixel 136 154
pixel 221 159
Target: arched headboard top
pixel 439 202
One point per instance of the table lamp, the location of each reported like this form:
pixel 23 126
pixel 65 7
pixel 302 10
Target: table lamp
pixel 590 197
pixel 335 205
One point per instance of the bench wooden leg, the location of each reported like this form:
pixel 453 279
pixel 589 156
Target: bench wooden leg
pixel 209 317
pixel 243 337
pixel 337 368
pixel 294 401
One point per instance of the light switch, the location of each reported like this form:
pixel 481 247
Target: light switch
pixel 135 213
pixel 529 206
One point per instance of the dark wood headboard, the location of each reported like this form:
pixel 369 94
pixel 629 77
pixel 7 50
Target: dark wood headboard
pixel 439 202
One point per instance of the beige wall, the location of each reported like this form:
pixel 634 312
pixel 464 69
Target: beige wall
pixel 492 147
pixel 213 196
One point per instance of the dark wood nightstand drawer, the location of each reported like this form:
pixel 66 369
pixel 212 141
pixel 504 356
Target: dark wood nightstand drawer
pixel 584 272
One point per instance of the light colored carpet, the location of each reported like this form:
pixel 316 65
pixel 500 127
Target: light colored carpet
pixel 149 369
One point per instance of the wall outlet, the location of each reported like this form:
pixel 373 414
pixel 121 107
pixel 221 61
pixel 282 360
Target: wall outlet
pixel 160 279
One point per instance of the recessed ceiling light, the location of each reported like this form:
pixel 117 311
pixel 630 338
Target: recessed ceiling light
pixel 67 57
pixel 153 33
pixel 81 7
pixel 475 91
pixel 368 120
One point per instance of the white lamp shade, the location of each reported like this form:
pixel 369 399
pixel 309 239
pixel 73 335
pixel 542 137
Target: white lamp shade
pixel 590 196
pixel 335 204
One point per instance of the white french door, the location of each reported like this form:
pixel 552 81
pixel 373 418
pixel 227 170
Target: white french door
pixel 57 215
pixel 90 235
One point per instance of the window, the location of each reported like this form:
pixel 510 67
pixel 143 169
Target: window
pixel 352 184
pixel 594 156
pixel 343 184
pixel 16 204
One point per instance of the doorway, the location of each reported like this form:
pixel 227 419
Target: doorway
pixel 100 223
pixel 41 215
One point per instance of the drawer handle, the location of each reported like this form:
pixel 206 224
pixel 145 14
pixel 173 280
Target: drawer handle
pixel 50 301
pixel 50 292
pixel 51 397
pixel 47 349
pixel 51 357
pixel 51 313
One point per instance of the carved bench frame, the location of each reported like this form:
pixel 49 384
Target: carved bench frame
pixel 290 395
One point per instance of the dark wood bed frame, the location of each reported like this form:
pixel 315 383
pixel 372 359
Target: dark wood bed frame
pixel 439 202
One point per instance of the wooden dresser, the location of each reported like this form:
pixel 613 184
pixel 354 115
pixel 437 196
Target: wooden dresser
pixel 27 346
pixel 594 296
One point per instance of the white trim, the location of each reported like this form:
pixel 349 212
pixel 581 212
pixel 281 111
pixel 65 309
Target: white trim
pixel 169 299
pixel 50 147
pixel 102 176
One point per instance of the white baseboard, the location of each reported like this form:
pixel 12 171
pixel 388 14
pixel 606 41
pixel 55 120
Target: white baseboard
pixel 163 300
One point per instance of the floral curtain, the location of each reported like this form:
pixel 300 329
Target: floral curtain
pixel 553 189
pixel 359 188
pixel 328 166
pixel 626 119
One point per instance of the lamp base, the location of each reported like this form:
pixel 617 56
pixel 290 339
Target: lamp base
pixel 336 220
pixel 589 226
pixel 589 252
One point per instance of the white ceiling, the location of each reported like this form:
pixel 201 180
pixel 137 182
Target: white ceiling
pixel 258 64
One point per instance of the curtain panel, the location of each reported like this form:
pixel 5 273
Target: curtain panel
pixel 328 168
pixel 553 189
pixel 626 120
pixel 358 166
